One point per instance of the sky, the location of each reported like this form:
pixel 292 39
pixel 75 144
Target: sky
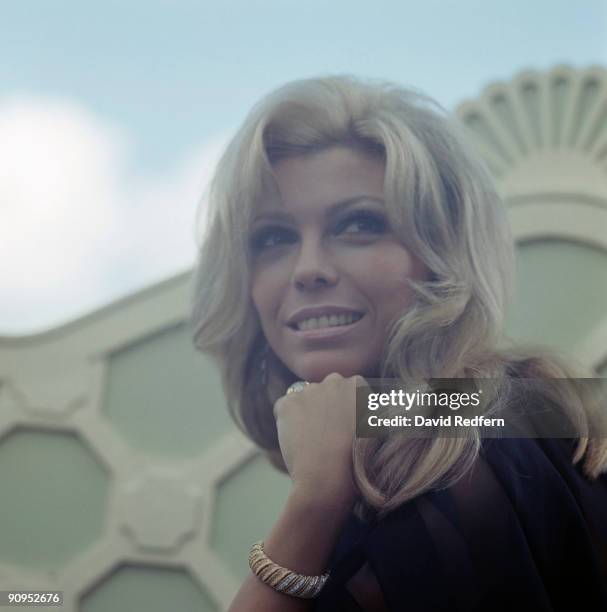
pixel 113 114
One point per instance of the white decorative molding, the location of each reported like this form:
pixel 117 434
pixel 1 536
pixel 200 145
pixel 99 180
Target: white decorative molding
pixel 160 509
pixel 576 222
pixel 544 132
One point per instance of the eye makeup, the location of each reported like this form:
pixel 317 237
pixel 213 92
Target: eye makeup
pixel 367 220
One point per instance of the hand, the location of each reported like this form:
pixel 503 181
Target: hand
pixel 316 428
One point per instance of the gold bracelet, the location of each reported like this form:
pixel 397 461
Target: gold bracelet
pixel 282 579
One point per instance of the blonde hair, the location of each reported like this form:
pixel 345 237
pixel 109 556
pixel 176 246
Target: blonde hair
pixel 442 203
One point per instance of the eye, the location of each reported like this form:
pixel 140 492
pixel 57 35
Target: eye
pixel 270 236
pixel 363 222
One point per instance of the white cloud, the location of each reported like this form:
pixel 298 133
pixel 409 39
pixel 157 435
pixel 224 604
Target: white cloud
pixel 77 228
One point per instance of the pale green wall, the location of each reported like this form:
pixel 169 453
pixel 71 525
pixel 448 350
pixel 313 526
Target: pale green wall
pixel 247 506
pixel 53 500
pixel 561 293
pixel 136 588
pixel 143 381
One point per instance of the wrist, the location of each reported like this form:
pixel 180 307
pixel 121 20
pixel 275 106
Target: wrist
pixel 324 495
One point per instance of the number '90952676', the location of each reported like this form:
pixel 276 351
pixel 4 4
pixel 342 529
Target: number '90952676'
pixel 33 598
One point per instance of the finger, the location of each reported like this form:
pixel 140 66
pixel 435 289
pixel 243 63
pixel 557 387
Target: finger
pixel 278 407
pixel 360 381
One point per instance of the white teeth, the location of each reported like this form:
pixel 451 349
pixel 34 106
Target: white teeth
pixel 327 321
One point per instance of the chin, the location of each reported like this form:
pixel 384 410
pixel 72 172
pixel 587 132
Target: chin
pixel 319 369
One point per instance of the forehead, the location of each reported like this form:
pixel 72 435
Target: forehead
pixel 320 180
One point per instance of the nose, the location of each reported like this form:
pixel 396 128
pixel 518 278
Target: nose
pixel 314 267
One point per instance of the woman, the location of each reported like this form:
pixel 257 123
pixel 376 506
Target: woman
pixel 351 234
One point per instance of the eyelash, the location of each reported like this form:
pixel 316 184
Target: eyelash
pixel 377 222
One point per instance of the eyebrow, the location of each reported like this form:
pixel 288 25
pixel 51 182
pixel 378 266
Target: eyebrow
pixel 333 210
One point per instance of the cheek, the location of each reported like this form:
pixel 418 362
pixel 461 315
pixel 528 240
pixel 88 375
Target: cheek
pixel 265 290
pixel 386 271
pixel 385 279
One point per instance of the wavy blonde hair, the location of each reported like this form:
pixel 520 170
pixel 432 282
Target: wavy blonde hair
pixel 442 203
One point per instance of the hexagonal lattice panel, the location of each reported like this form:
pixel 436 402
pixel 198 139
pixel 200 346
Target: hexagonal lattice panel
pixel 53 498
pixel 153 589
pixel 140 395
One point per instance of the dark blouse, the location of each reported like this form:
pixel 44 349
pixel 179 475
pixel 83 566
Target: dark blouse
pixel 525 530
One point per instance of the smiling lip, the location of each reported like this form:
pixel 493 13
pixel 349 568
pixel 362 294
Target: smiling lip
pixel 318 311
pixel 326 332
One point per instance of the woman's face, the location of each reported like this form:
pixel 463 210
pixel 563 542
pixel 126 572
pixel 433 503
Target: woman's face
pixel 328 275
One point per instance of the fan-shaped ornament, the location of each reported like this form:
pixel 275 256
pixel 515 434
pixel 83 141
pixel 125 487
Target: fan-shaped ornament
pixel 544 133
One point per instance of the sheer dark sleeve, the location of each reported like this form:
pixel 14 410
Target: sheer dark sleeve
pixel 521 531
